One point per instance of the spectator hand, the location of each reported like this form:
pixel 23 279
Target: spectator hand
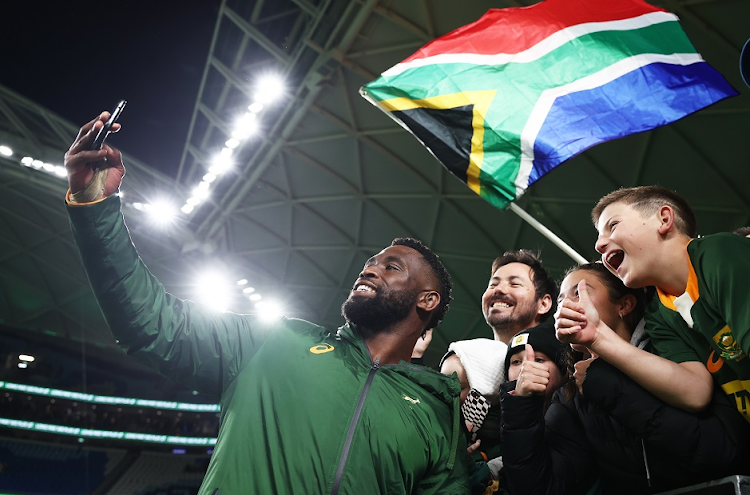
pixel 93 174
pixel 580 372
pixel 422 344
pixel 576 322
pixel 533 377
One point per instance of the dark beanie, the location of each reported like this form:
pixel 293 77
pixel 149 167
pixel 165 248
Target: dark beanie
pixel 542 339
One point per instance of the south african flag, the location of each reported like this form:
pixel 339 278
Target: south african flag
pixel 504 100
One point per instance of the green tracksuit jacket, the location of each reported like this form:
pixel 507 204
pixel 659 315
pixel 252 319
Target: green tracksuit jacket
pixel 303 410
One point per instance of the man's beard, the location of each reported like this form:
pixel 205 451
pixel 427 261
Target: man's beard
pixel 520 318
pixel 382 310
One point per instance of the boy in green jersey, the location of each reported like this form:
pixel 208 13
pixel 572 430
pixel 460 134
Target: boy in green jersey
pixel 699 322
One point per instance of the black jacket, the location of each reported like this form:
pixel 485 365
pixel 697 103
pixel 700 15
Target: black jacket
pixel 621 434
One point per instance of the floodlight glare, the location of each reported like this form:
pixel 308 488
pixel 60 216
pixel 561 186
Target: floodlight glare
pixel 245 127
pixel 255 107
pixel 37 164
pixel 26 357
pixel 60 171
pixel 193 201
pixel 269 89
pixel 161 212
pixel 232 143
pixel 255 297
pixel 48 167
pixel 209 177
pixel 248 290
pixel 200 193
pixel 186 209
pixel 221 163
pixel 268 310
pixel 242 281
pixel 26 160
pixel 4 150
pixel 213 291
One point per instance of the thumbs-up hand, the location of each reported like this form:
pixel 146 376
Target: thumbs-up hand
pixel 534 376
pixel 576 322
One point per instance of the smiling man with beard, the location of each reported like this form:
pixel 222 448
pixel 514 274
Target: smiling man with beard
pixel 303 409
pixel 520 295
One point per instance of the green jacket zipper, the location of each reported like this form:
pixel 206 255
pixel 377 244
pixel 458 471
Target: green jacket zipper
pixel 352 427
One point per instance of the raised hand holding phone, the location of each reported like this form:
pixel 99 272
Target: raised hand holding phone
pixel 94 174
pixel 106 129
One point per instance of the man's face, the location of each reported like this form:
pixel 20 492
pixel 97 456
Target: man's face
pixel 387 288
pixel 627 242
pixel 509 304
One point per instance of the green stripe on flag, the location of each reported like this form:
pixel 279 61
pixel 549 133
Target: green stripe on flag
pixel 438 86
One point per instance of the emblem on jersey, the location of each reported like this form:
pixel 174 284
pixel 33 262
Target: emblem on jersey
pixel 729 347
pixel 321 349
pixel 409 399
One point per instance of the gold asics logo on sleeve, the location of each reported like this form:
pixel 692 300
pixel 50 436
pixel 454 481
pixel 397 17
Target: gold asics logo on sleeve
pixel 321 349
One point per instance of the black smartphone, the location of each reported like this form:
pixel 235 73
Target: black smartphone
pixel 107 128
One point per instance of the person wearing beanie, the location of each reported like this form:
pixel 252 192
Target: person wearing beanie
pixel 537 362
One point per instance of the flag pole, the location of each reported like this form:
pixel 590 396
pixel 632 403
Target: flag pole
pixel 548 234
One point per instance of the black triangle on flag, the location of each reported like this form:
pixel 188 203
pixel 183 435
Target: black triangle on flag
pixel 445 132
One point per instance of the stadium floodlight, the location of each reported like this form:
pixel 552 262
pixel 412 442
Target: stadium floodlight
pixel 242 281
pixel 26 160
pixel 255 297
pixel 221 163
pixel 187 209
pixel 248 290
pixel 255 107
pixel 269 89
pixel 246 126
pixel 161 212
pixel 5 151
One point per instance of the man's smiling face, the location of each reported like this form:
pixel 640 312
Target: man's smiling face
pixel 387 288
pixel 509 303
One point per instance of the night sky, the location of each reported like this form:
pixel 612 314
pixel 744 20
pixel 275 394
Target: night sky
pixel 81 57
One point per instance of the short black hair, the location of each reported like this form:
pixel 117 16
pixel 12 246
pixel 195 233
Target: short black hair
pixel 440 272
pixel 543 282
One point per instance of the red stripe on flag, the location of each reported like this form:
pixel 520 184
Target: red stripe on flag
pixel 516 29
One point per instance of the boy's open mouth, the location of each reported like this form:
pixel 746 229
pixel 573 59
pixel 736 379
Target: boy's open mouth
pixel 614 259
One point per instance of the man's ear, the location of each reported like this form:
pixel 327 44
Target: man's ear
pixel 666 219
pixel 428 300
pixel 543 305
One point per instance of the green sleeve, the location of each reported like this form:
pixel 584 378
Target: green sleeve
pixel 722 261
pixel 192 345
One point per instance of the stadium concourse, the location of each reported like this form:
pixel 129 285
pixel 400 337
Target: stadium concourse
pixel 312 184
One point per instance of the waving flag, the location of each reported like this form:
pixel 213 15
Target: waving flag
pixel 504 100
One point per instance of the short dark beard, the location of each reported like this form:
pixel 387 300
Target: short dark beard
pixel 381 311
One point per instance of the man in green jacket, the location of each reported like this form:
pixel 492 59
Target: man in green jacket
pixel 303 409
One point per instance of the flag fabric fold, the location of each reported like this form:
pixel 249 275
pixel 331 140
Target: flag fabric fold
pixel 504 100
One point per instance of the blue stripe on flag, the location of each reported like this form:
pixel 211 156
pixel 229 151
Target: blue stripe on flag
pixel 646 98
